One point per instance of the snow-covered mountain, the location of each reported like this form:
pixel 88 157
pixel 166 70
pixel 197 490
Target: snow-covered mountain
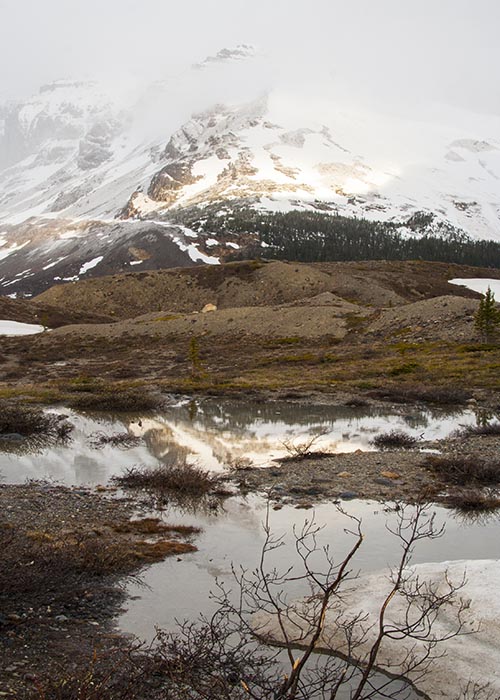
pixel 90 175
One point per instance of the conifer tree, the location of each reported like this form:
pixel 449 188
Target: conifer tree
pixel 487 317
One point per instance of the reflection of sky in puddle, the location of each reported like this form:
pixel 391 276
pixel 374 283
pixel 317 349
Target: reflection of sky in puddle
pixel 180 589
pixel 214 433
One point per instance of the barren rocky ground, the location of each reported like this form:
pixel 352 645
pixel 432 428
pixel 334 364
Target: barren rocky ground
pixel 277 326
pixel 65 554
pixel 392 475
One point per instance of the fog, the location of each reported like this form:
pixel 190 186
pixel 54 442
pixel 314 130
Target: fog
pixel 391 52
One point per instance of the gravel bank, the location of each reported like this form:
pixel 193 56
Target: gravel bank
pixel 398 475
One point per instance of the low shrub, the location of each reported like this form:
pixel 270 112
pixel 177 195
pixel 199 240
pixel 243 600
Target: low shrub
pixel 182 478
pixel 405 368
pixel 122 440
pixel 465 470
pixel 39 567
pixel 443 395
pixel 393 440
pixel 18 422
pixel 487 429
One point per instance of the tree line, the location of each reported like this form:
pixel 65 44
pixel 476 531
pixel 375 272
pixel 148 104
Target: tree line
pixel 319 237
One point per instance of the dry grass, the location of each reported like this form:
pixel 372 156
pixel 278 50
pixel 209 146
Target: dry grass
pixel 113 400
pixel 189 488
pixel 38 567
pixel 154 526
pixel 443 395
pixel 487 429
pixel 156 551
pixel 395 439
pixel 460 470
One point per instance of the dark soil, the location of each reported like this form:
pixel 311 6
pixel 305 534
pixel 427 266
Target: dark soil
pixel 65 553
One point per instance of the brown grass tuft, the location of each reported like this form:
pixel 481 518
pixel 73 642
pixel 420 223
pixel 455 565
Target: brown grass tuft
pixel 473 500
pixel 113 400
pixel 394 440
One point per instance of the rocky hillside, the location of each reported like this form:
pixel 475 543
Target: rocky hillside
pixel 259 284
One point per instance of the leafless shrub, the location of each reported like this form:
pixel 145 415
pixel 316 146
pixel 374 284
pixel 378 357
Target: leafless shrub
pixel 201 662
pixel 465 470
pixel 237 462
pixel 486 429
pixel 227 657
pixel 393 440
pixel 304 450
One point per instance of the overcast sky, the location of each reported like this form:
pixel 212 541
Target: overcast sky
pixel 437 49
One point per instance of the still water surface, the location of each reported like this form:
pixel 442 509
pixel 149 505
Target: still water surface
pixel 213 433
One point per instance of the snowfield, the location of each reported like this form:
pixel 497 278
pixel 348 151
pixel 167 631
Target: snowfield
pixel 16 328
pixel 85 150
pixel 479 284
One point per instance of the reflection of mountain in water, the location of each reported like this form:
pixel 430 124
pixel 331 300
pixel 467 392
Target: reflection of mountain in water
pixel 243 417
pixel 215 433
pixel 416 420
pixel 174 439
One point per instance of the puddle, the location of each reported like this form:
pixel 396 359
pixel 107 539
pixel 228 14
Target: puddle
pixel 179 590
pixel 214 433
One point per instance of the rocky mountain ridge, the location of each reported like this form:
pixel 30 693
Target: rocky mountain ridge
pixel 82 178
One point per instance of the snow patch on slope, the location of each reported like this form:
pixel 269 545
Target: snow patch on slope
pixel 479 284
pixel 17 328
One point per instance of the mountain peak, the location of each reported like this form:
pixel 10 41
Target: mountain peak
pixel 240 52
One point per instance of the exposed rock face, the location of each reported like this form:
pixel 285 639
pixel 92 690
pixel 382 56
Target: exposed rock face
pixel 95 147
pixel 61 112
pixel 66 252
pixel 239 53
pixel 169 179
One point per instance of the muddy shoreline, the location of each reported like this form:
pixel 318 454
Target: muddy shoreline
pixel 51 625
